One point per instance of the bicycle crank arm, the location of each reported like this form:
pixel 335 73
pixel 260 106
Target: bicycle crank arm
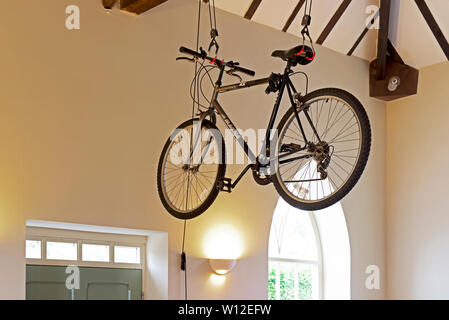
pixel 227 185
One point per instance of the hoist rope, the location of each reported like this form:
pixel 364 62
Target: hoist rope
pixel 196 84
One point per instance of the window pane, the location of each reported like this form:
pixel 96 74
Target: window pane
pixel 272 276
pixel 292 281
pixel 61 250
pixel 33 249
pixel 95 252
pixel 124 254
pixel 292 235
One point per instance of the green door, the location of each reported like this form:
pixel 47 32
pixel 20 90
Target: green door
pixel 49 283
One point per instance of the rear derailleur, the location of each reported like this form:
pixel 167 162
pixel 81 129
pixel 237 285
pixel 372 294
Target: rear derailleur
pixel 322 155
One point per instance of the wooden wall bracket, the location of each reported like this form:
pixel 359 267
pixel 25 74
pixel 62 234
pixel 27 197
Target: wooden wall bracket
pixel 401 81
pixel 389 77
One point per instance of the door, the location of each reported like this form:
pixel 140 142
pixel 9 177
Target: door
pixel 49 283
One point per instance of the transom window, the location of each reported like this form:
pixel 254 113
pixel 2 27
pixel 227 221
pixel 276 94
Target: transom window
pixel 295 255
pixel 89 249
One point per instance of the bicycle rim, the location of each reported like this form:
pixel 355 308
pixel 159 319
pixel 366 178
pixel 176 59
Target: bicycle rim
pixel 188 178
pixel 338 125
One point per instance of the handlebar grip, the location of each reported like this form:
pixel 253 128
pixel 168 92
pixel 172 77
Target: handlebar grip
pixel 188 51
pixel 199 55
pixel 246 71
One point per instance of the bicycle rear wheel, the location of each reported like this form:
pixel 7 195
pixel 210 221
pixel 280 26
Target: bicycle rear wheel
pixel 317 172
pixel 190 169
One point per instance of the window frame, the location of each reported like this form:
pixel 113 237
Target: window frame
pixel 81 263
pixel 32 260
pixel 44 257
pixel 318 262
pixel 124 245
pixel 92 242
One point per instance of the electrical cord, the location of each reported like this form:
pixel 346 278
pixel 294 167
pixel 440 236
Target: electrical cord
pixel 184 260
pixel 183 254
pixel 195 90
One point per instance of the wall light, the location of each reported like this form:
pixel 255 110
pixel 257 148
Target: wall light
pixel 223 245
pixel 217 280
pixel 222 241
pixel 222 266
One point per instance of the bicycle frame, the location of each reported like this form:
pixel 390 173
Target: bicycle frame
pixel 286 83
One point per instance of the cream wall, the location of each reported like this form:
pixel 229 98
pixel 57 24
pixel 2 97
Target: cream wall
pixel 84 115
pixel 417 193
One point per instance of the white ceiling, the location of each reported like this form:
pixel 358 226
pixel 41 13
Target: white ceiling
pixel 408 32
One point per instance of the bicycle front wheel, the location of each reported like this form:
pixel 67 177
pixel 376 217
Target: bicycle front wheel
pixel 317 171
pixel 190 169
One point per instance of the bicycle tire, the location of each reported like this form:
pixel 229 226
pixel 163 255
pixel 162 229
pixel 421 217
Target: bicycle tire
pixel 215 189
pixel 362 160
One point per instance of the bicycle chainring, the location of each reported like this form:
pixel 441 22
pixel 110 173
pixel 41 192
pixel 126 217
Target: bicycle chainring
pixel 261 179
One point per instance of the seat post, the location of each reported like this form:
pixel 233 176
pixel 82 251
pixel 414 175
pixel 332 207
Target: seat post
pixel 288 67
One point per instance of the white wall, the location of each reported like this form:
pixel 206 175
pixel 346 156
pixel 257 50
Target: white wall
pixel 84 115
pixel 417 174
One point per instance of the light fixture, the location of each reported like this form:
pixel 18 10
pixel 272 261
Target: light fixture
pixel 222 241
pixel 222 266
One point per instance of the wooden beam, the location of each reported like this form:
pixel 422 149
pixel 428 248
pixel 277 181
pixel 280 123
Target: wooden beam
pixel 408 77
pixel 333 21
pixel 357 42
pixel 293 15
pixel 433 25
pixel 363 34
pixel 139 6
pixel 382 42
pixel 252 9
pixel 394 55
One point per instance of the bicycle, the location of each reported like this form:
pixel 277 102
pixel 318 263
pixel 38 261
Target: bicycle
pixel 314 159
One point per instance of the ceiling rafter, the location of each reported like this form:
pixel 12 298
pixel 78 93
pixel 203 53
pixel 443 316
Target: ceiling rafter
pixel 139 6
pixel 252 9
pixel 382 42
pixel 345 18
pixel 393 53
pixel 333 21
pixel 433 25
pixel 363 34
pixel 293 15
pixel 357 42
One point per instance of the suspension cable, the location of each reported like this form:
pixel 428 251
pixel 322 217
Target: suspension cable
pixel 197 47
pixel 306 21
pixel 195 91
pixel 195 95
pixel 213 26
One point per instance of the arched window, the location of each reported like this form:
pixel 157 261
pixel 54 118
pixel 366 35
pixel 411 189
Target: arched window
pixel 309 254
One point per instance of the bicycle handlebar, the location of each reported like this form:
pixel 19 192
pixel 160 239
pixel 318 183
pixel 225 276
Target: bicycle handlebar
pixel 204 56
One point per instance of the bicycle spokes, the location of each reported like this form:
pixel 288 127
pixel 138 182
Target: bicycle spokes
pixel 190 169
pixel 314 170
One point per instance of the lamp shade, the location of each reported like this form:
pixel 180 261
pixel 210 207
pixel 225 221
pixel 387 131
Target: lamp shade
pixel 222 266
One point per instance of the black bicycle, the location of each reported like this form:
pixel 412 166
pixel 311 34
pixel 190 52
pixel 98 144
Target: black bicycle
pixel 314 158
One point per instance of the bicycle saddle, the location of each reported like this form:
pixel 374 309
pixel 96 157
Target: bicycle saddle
pixel 300 54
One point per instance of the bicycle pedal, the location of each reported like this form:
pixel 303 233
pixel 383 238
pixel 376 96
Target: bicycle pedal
pixel 225 185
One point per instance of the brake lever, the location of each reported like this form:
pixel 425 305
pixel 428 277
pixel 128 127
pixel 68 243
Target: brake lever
pixel 186 58
pixel 231 73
